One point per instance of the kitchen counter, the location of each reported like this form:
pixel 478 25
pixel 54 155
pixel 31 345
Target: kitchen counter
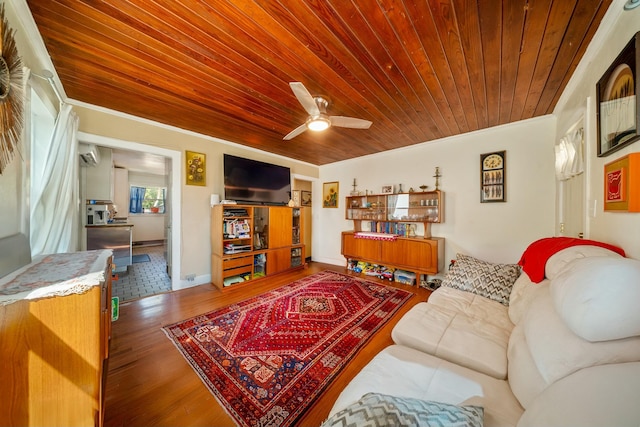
pixel 115 236
pixel 113 224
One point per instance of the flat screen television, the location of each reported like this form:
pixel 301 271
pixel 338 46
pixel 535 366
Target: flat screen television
pixel 251 181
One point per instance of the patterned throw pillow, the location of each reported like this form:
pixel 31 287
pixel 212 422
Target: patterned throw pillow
pixel 493 281
pixel 374 409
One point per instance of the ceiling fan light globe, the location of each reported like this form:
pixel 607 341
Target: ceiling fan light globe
pixel 318 124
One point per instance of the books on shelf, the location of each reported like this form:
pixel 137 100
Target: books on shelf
pixel 397 228
pixel 236 229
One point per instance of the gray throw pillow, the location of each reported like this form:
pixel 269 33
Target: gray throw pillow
pixel 374 409
pixel 493 281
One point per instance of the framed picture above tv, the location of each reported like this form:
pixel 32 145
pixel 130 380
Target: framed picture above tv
pixel 618 106
pixel 196 168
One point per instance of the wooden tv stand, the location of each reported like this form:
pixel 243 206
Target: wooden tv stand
pixel 250 242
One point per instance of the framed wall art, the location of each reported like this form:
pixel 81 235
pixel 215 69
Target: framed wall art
pixel 196 168
pixel 387 189
pixel 622 184
pixel 493 185
pixel 618 106
pixel 305 198
pixel 330 195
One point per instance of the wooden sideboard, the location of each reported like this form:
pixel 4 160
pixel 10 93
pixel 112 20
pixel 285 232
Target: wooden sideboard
pixel 418 255
pixel 54 341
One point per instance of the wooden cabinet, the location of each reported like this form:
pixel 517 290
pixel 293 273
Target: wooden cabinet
pixel 421 256
pixel 54 349
pixel 359 248
pixel 251 242
pixel 384 231
pixel 396 213
pixel 280 226
pixel 279 260
pixel 413 254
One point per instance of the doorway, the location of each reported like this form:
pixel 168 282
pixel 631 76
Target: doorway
pixel 149 273
pixel 172 219
pixel 571 183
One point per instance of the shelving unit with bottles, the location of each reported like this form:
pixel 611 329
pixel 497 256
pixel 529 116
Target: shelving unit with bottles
pixel 384 231
pixel 252 242
pixel 396 213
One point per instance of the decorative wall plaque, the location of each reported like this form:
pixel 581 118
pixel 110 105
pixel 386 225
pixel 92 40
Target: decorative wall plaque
pixel 11 94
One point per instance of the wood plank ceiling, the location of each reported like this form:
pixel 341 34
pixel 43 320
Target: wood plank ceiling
pixel 418 69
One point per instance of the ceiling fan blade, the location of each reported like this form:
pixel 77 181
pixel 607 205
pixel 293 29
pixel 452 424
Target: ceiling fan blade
pixel 349 122
pixel 297 131
pixel 305 98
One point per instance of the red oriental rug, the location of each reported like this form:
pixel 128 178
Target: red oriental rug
pixel 267 358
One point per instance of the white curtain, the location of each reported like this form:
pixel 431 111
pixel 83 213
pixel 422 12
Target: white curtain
pixel 54 198
pixel 569 156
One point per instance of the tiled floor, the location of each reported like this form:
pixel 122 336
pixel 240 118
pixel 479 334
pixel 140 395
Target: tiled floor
pixel 144 278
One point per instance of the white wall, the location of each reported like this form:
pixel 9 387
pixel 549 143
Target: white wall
pixel 618 27
pixel 497 232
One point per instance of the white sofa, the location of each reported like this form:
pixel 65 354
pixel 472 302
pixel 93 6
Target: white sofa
pixel 562 352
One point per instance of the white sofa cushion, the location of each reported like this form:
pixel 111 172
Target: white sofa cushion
pixel 522 293
pixel 558 261
pixel 493 281
pixel 405 372
pixel 453 336
pixel 598 297
pixel 472 305
pixel 524 378
pixel 558 352
pixel 606 395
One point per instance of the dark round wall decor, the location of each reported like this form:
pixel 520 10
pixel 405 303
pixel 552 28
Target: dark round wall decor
pixel 11 93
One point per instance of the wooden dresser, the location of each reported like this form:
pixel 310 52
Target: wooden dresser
pixel 55 326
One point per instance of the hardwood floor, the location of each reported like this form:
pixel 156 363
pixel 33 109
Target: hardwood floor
pixel 150 384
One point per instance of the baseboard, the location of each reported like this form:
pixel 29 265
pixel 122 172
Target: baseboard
pixel 197 281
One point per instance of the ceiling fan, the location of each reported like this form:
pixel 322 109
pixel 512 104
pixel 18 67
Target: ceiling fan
pixel 318 119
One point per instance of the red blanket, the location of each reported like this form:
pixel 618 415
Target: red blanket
pixel 535 257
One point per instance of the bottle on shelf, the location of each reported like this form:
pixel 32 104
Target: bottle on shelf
pixel 385 213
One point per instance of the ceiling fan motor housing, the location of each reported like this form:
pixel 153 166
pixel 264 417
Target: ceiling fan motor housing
pixel 318 122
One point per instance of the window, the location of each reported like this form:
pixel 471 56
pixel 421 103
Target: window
pixel 147 199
